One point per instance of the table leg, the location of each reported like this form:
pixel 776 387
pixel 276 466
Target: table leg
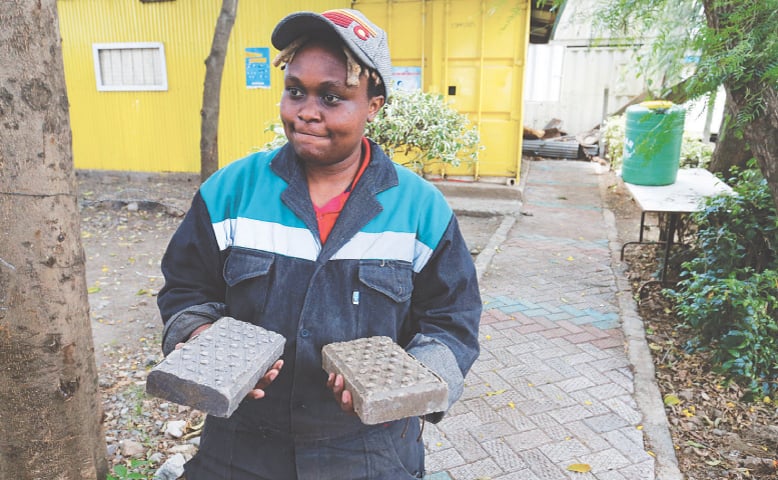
pixel 672 225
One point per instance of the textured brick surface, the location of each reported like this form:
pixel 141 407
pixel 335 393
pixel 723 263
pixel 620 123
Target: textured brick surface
pixel 386 382
pixel 552 364
pixel 215 371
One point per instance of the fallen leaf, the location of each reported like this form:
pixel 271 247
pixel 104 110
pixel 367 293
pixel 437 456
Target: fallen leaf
pixel 496 392
pixel 671 400
pixel 580 467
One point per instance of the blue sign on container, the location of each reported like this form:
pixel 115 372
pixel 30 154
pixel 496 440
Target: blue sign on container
pixel 258 67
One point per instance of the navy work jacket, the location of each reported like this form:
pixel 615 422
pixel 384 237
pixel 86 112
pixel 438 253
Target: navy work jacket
pixel 395 264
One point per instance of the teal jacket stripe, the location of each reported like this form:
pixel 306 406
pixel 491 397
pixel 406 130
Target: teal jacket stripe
pixel 223 194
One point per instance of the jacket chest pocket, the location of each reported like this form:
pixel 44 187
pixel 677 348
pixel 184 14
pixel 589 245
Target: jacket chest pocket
pixel 247 275
pixel 384 297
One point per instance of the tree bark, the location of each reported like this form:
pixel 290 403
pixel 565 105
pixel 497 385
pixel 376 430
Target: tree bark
pixel 731 150
pixel 761 131
pixel 214 66
pixel 50 408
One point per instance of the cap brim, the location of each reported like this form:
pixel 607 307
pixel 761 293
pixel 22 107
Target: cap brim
pixel 293 26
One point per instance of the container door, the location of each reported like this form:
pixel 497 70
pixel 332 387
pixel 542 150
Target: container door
pixel 473 52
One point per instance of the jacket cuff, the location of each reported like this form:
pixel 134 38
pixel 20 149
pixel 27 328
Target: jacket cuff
pixel 181 325
pixel 440 359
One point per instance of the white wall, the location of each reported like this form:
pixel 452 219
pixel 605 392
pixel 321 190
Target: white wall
pixel 568 78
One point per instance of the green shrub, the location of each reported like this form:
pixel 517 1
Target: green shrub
pixel 418 126
pixel 425 129
pixel 729 292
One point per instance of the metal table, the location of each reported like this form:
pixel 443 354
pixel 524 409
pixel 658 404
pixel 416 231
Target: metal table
pixel 686 195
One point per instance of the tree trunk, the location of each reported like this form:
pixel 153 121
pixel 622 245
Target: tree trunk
pixel 214 66
pixel 761 130
pixel 761 133
pixel 732 150
pixel 50 408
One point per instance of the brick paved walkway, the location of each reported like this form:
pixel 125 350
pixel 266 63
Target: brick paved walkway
pixel 553 385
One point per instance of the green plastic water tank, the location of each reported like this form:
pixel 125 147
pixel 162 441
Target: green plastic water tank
pixel 652 145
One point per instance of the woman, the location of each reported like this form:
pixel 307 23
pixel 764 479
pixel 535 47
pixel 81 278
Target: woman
pixel 323 240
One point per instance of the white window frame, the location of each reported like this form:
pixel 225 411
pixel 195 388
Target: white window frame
pixel 97 47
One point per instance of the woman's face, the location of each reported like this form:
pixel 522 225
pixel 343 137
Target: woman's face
pixel 324 119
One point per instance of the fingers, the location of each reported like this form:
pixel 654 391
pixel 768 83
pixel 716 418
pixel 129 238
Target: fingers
pixel 258 391
pixel 197 331
pixel 337 384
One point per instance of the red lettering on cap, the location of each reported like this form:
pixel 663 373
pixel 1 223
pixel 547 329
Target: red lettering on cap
pixel 344 19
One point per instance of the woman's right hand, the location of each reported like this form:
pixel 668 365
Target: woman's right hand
pixel 197 331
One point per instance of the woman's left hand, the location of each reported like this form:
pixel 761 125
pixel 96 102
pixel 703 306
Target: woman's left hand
pixel 342 396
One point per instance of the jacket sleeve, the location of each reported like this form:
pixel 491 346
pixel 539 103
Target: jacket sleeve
pixel 193 294
pixel 447 306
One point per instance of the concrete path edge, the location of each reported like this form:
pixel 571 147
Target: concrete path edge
pixel 647 393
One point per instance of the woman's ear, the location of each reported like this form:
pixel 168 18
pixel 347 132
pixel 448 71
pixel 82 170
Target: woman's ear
pixel 374 105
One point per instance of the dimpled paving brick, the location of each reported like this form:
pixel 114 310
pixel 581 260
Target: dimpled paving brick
pixel 214 371
pixel 386 383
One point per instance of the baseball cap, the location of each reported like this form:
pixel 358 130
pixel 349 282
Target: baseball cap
pixel 363 38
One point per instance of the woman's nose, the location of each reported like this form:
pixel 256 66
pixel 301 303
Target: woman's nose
pixel 309 111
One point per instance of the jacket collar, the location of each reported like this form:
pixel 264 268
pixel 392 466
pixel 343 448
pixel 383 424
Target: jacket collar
pixel 379 176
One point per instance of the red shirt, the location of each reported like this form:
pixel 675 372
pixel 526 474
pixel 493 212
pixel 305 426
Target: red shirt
pixel 327 214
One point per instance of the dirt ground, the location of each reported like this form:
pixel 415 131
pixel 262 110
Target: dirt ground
pixel 127 220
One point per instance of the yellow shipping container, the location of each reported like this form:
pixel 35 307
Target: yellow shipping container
pixel 135 72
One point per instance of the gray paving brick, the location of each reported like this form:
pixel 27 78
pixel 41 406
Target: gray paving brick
pixel 621 378
pixel 496 429
pixel 574 384
pixel 443 460
pixel 635 452
pixel 458 423
pixel 565 451
pixel 541 466
pixel 626 408
pixel 486 413
pixel 517 420
pixel 434 439
pixel 525 474
pixel 606 460
pixel 606 391
pixel 504 456
pixel 216 370
pixel 467 445
pixel 527 440
pixel 386 383
pixel 606 422
pixel 570 414
pixel 640 471
pixel 485 468
pixel 595 441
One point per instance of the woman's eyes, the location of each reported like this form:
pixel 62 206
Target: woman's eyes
pixel 294 91
pixel 327 98
pixel 331 99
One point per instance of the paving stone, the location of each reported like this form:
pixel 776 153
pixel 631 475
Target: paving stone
pixel 565 451
pixel 443 460
pixel 610 459
pixel 527 440
pixel 485 468
pixel 541 466
pixel 214 371
pixel 606 422
pixel 468 446
pixel 386 382
pixel 625 407
pixel 504 456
